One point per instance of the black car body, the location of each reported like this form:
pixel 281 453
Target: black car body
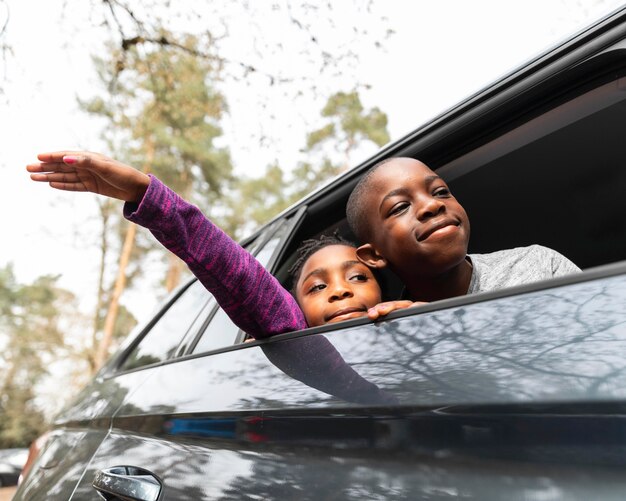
pixel 513 394
pixel 11 463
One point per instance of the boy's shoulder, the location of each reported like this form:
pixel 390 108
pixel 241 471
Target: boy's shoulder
pixel 517 266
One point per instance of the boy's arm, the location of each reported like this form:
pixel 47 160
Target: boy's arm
pixel 562 266
pixel 250 295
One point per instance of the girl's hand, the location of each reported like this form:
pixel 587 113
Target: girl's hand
pixel 86 171
pixel 382 309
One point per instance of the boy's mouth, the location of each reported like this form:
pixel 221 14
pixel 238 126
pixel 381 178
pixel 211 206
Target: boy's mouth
pixel 345 312
pixel 442 227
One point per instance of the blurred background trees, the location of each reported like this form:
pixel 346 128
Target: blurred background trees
pixel 32 320
pixel 162 71
pixel 184 90
pixel 348 126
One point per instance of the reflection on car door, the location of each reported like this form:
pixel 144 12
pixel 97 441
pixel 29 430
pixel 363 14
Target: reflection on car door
pixel 433 402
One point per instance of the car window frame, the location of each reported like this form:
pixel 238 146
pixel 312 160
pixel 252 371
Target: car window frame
pixel 203 319
pixel 608 56
pixel 484 104
pixel 291 224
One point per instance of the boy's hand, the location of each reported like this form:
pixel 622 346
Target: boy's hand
pixel 86 171
pixel 382 309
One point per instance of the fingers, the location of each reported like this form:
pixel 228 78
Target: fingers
pixel 66 161
pixel 66 181
pixel 68 186
pixel 383 309
pixel 63 177
pixel 57 156
pixel 50 167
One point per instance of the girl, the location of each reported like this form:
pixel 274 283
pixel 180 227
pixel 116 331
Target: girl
pixel 331 284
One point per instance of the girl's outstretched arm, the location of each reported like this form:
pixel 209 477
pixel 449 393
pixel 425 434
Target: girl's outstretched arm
pixel 250 295
pixel 86 171
pixel 247 292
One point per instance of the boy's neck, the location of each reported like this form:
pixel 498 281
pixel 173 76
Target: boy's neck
pixel 454 282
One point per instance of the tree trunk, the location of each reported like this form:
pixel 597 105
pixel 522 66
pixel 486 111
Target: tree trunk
pixel 174 272
pixel 105 213
pixel 120 285
pixel 120 282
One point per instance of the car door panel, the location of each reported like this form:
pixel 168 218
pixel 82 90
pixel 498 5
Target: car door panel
pixel 78 432
pixel 422 405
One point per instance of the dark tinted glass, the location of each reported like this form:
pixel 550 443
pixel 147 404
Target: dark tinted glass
pixel 164 337
pixel 221 330
pixel 562 344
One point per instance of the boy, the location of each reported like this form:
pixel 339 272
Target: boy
pixel 411 223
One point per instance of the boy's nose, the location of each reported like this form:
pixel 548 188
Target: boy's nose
pixel 430 208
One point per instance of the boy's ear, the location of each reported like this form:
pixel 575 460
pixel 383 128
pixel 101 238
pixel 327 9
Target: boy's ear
pixel 370 256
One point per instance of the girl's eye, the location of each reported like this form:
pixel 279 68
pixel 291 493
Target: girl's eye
pixel 398 208
pixel 316 288
pixel 442 192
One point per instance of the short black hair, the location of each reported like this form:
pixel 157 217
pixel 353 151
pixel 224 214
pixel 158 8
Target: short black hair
pixel 308 248
pixel 355 208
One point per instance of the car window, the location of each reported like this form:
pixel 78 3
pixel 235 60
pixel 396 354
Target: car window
pixel 221 331
pixel 161 342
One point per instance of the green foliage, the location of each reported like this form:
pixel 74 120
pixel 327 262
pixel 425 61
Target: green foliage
pixel 257 200
pixel 163 115
pixel 21 421
pixel 29 333
pixel 349 123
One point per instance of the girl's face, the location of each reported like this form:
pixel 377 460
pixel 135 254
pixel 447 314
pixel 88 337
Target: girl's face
pixel 335 286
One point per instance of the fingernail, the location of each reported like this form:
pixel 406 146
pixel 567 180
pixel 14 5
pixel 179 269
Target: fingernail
pixel 69 159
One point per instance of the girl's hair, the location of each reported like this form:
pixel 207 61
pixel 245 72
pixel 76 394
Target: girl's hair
pixel 308 248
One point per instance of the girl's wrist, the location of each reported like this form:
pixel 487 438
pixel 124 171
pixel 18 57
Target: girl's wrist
pixel 142 187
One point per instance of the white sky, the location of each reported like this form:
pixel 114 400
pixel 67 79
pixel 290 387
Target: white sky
pixel 442 52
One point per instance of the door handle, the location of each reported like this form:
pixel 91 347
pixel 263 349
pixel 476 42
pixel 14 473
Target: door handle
pixel 127 483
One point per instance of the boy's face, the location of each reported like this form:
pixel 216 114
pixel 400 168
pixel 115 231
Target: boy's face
pixel 335 286
pixel 418 227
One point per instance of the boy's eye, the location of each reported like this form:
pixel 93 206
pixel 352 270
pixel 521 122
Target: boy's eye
pixel 442 192
pixel 398 208
pixel 359 277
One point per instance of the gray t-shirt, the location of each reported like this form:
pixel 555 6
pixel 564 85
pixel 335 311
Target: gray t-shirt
pixel 518 266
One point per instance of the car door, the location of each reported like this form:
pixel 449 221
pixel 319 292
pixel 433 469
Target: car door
pixel 192 323
pixel 510 395
pixel 79 430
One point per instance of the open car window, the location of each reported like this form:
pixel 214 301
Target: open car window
pixel 220 331
pixel 556 177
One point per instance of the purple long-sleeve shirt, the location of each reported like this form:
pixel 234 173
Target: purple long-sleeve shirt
pixel 251 296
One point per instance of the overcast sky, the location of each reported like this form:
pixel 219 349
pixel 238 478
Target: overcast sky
pixel 442 52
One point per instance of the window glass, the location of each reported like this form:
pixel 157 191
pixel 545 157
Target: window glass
pixel 161 341
pixel 267 251
pixel 197 326
pixel 221 331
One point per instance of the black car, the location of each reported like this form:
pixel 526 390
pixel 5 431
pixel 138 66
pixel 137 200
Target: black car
pixel 516 394
pixel 11 463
